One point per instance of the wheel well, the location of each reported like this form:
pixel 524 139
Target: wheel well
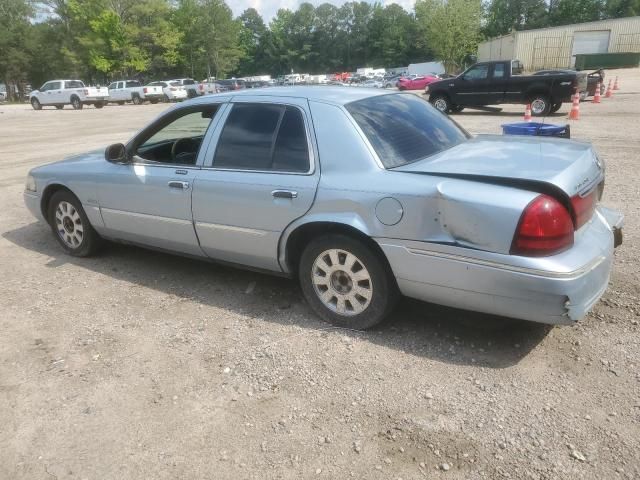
pixel 300 237
pixel 46 197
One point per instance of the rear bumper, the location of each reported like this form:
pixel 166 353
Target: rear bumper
pixel 95 99
pixel 554 290
pixel 153 96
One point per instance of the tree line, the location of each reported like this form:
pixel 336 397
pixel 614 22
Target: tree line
pixel 101 40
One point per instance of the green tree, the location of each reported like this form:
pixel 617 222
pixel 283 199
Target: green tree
pixel 622 8
pixel 451 28
pixel 565 12
pixel 14 37
pixel 502 16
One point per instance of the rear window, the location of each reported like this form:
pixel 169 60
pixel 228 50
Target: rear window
pixel 133 83
pixel 74 84
pixel 403 128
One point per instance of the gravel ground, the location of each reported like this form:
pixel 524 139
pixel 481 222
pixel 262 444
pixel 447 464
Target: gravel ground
pixel 141 365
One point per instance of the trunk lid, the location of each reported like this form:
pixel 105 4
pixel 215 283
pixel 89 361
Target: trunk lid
pixel 532 163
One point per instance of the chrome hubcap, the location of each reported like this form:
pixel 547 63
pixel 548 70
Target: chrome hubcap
pixel 69 225
pixel 342 282
pixel 538 106
pixel 440 104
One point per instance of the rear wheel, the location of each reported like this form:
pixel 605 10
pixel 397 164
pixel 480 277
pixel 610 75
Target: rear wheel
pixel 136 100
pixel 555 107
pixel 121 103
pixel 346 283
pixel 35 103
pixel 76 103
pixel 99 104
pixel 71 226
pixel 440 102
pixel 153 102
pixel 59 107
pixel 540 105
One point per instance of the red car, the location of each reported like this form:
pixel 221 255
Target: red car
pixel 416 83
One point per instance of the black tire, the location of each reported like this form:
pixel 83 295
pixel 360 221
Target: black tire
pixel 381 284
pixel 540 105
pixel 555 107
pixel 440 102
pixel 153 102
pixel 59 107
pixel 99 104
pixel 35 103
pixel 136 100
pixel 67 227
pixel 120 103
pixel 76 103
pixel 456 109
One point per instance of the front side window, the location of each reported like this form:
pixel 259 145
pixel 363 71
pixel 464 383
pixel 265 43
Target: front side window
pixel 177 140
pixel 263 137
pixel 55 86
pixel 479 72
pixel 403 128
pixel 112 86
pixel 46 86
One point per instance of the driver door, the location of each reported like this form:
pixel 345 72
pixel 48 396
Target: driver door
pixel 472 87
pixel 148 201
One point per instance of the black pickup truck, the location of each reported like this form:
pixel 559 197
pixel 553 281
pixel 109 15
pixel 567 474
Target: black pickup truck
pixel 500 82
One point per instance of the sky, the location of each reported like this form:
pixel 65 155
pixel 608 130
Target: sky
pixel 268 8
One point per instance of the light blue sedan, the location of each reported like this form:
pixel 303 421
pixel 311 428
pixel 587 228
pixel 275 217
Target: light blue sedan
pixel 362 195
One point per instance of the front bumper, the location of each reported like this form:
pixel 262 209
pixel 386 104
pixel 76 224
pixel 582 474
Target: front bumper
pixel 32 202
pixel 556 290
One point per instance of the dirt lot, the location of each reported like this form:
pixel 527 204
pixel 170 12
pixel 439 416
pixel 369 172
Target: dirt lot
pixel 140 365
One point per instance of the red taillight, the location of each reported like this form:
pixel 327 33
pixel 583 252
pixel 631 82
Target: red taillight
pixel 583 207
pixel 144 89
pixel 545 228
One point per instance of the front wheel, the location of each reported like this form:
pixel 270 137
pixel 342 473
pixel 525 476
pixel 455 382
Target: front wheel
pixel 540 105
pixel 76 103
pixel 71 226
pixel 35 103
pixel 346 283
pixel 440 102
pixel 555 107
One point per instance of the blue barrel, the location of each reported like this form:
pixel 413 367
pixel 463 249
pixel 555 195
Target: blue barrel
pixel 535 128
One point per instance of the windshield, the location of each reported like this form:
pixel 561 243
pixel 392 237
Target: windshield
pixel 403 128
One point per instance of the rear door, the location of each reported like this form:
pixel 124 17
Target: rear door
pixel 472 87
pixel 260 174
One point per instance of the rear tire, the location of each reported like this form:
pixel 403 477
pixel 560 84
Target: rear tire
pixel 120 103
pixel 76 103
pixel 346 283
pixel 540 105
pixel 35 103
pixel 555 107
pixel 99 105
pixel 71 226
pixel 59 107
pixel 440 102
pixel 136 100
pixel 153 102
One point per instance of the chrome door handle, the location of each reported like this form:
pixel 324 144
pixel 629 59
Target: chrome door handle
pixel 284 194
pixel 177 184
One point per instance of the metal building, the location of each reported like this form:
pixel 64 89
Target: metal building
pixel 556 47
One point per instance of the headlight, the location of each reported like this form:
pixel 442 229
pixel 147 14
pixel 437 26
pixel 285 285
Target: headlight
pixel 31 184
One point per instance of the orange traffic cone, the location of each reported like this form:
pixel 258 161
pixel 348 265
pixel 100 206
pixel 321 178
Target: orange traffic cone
pixel 608 93
pixel 527 113
pixel 574 114
pixel 615 84
pixel 596 97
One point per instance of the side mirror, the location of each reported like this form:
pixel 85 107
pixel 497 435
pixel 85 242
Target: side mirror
pixel 116 153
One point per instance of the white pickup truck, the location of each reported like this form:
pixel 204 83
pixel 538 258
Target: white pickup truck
pixel 132 91
pixel 59 93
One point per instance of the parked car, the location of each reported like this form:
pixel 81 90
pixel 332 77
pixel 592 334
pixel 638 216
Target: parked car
pixel 372 83
pixel 123 91
pixel 593 79
pixel 500 82
pixel 171 91
pixel 3 96
pixel 59 93
pixel 231 84
pixel 416 83
pixel 379 195
pixel 153 92
pixel 189 84
pixel 208 86
pixel 391 81
pixel 256 84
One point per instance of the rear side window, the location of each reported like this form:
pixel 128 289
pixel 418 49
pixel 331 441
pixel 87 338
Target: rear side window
pixel 188 81
pixel 133 83
pixel 498 70
pixel 263 137
pixel 403 128
pixel 74 84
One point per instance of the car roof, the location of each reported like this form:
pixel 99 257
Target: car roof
pixel 327 94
